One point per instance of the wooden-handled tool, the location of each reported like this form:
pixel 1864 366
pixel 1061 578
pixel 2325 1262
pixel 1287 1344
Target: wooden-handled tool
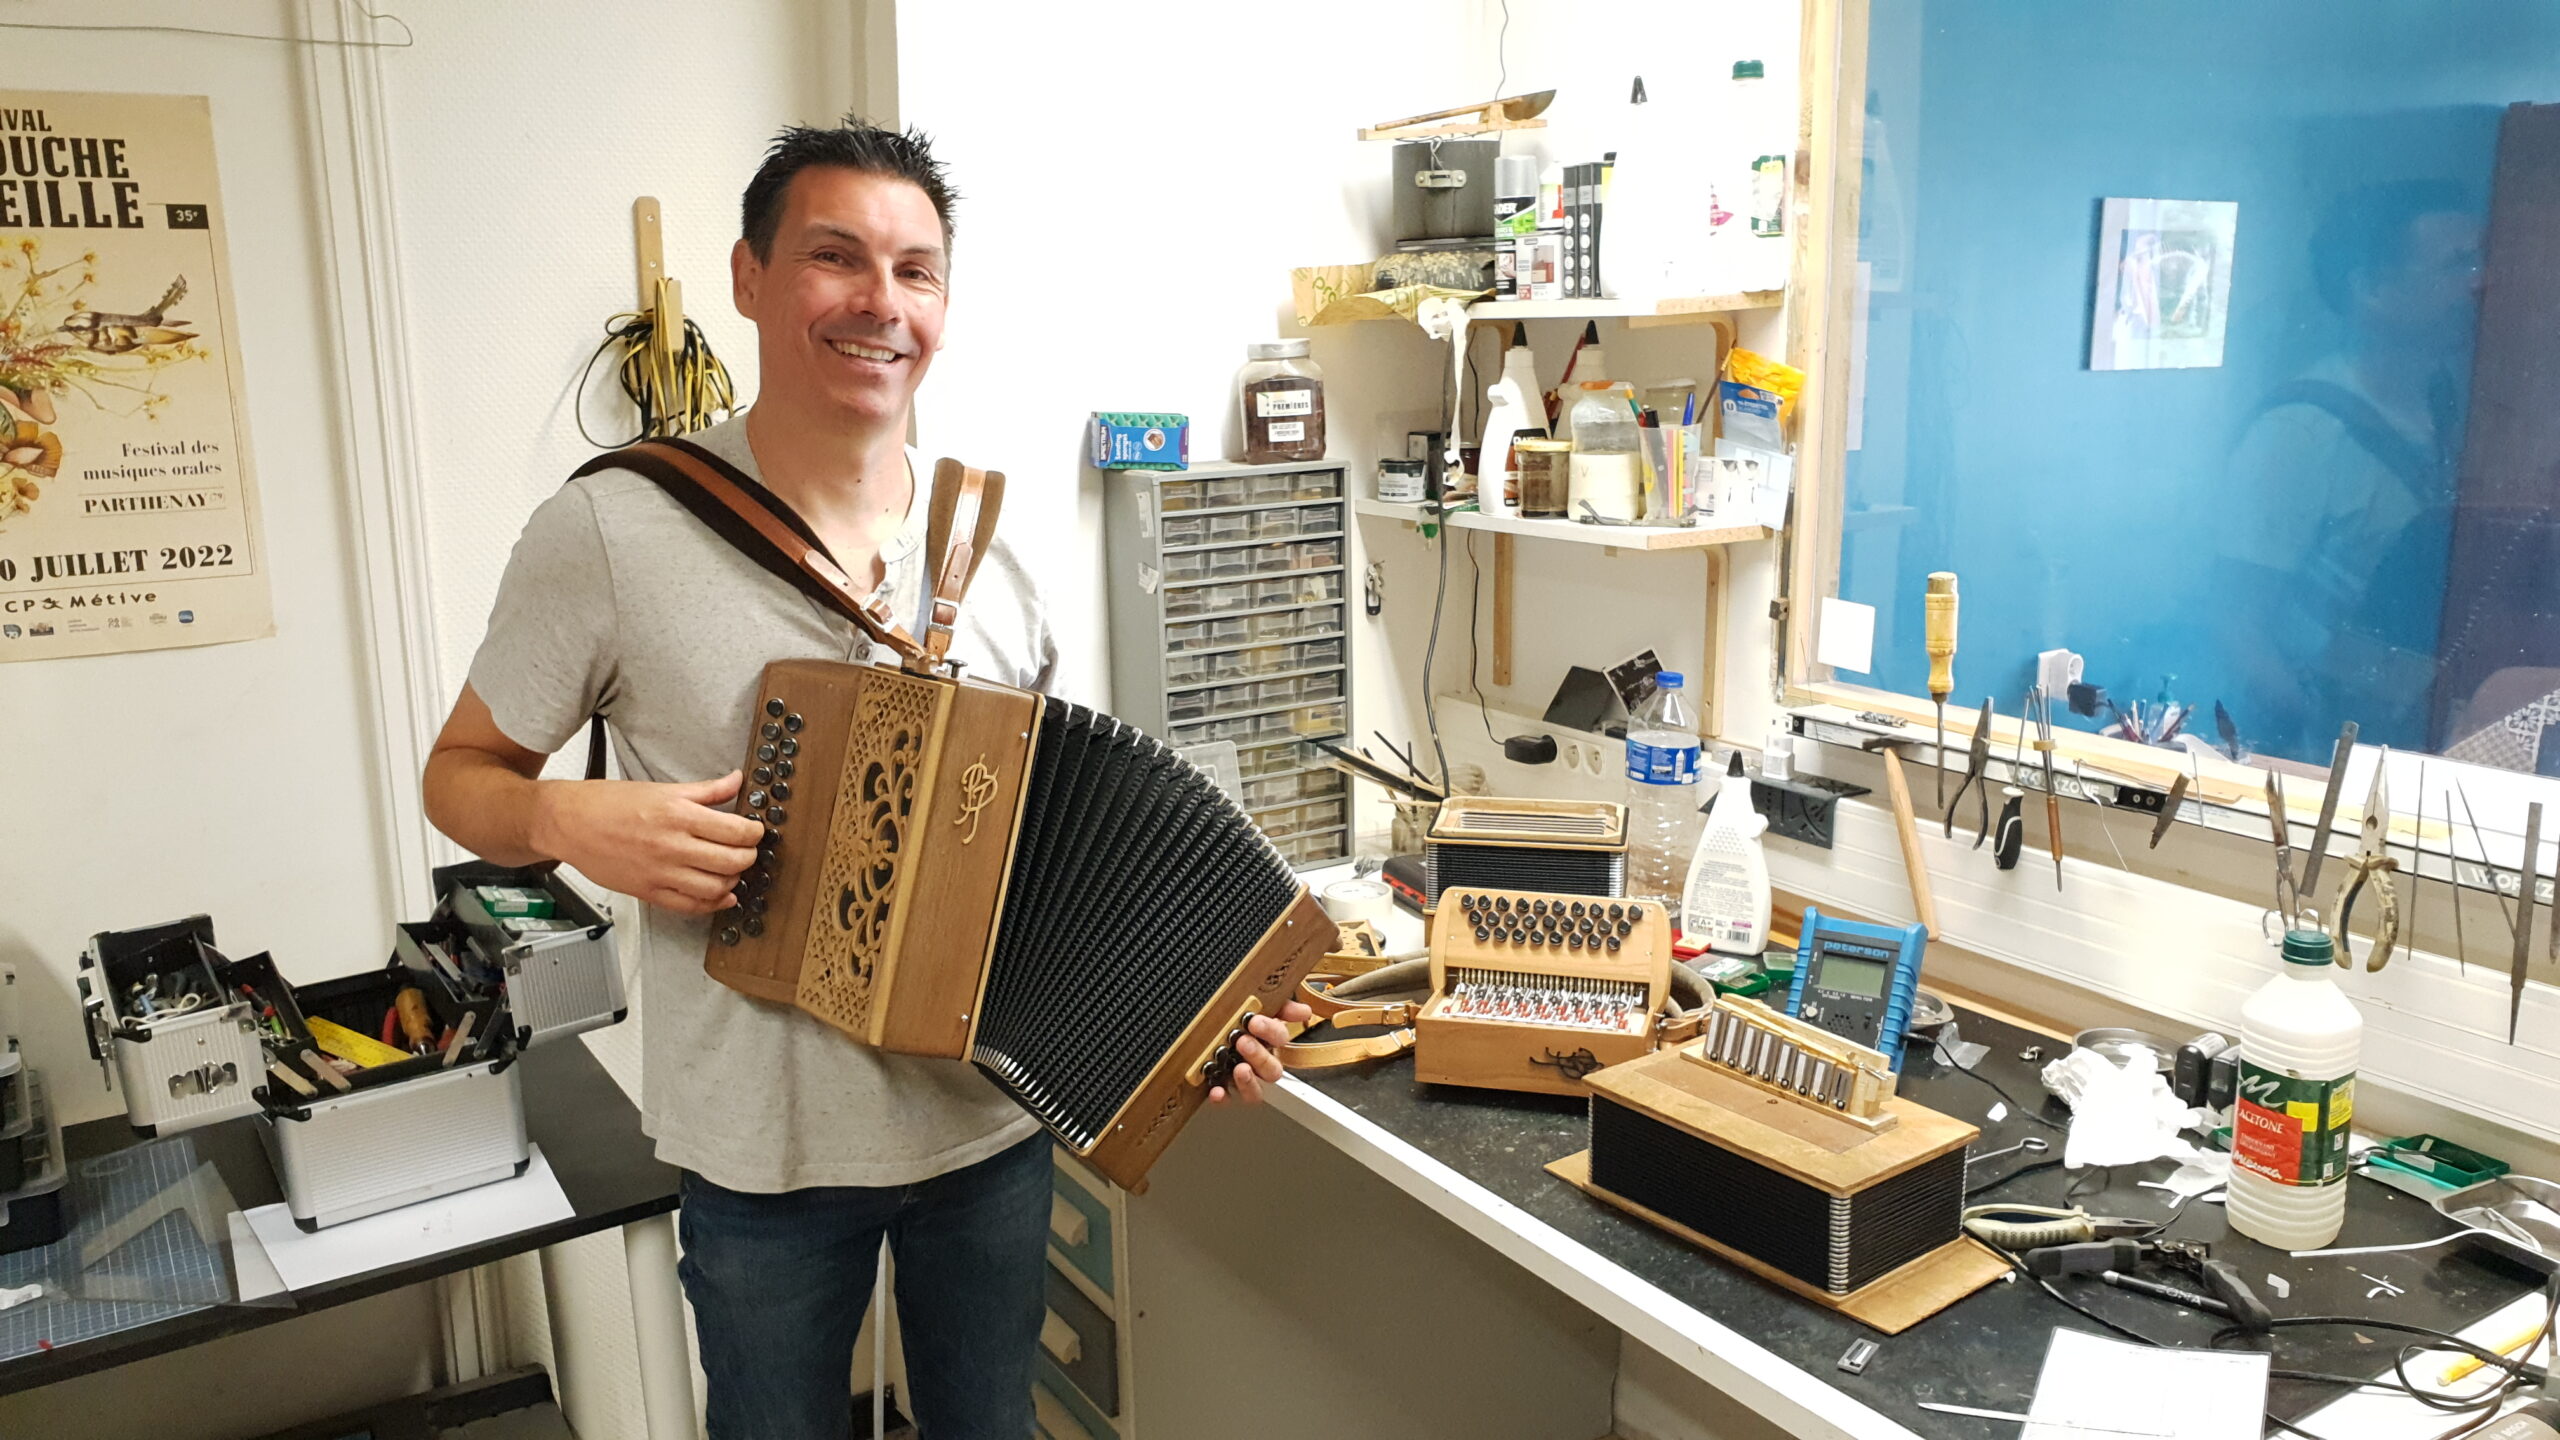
pixel 416 1025
pixel 1940 637
pixel 2040 706
pixel 1905 824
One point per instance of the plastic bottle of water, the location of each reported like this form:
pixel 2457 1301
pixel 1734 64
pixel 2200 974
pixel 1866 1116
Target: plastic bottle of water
pixel 1662 793
pixel 2299 1040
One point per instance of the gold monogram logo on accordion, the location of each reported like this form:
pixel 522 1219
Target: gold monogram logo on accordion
pixel 977 791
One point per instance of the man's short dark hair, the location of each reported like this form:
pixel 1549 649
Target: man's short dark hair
pixel 856 144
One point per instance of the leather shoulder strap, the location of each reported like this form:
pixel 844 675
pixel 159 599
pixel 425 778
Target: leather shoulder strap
pixel 959 530
pixel 762 527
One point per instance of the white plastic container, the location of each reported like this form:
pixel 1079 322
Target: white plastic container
pixel 2299 1041
pixel 1607 470
pixel 1725 906
pixel 1508 409
pixel 1662 793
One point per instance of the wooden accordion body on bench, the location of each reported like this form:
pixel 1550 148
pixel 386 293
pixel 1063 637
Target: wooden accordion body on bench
pixel 1533 991
pixel 964 870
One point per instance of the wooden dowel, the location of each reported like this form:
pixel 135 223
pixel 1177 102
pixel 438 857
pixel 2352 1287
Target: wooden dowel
pixel 1899 789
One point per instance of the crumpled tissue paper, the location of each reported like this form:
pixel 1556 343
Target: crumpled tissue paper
pixel 2120 1115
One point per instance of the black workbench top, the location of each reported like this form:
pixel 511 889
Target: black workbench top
pixel 587 1128
pixel 1984 1350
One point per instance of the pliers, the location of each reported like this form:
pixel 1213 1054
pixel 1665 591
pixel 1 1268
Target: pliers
pixel 2373 865
pixel 1977 768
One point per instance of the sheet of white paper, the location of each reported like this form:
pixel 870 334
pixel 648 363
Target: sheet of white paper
pixel 2182 1394
pixel 1846 637
pixel 249 1263
pixel 412 1232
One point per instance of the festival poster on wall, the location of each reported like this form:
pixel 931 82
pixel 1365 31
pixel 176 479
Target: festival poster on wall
pixel 128 512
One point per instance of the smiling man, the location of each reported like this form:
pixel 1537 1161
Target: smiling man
pixel 801 1150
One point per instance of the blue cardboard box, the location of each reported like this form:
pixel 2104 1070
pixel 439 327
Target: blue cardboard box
pixel 1137 440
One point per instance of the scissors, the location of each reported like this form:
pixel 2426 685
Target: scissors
pixel 1977 767
pixel 2372 865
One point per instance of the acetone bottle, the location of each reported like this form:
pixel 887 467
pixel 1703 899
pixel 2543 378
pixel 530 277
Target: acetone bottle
pixel 1725 906
pixel 2299 1041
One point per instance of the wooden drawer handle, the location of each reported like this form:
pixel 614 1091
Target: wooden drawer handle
pixel 1055 1421
pixel 1060 1339
pixel 1067 1222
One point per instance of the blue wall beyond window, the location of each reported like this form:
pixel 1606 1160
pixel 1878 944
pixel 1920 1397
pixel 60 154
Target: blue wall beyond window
pixel 2103 511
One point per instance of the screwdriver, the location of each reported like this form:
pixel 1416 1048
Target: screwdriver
pixel 1940 638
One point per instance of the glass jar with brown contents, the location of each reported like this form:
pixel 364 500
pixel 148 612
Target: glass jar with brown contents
pixel 1283 394
pixel 1543 475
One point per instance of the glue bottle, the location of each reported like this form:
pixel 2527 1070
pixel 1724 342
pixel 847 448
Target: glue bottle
pixel 2299 1040
pixel 1725 906
pixel 1507 412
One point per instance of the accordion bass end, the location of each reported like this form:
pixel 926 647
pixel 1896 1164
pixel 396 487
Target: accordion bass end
pixel 963 870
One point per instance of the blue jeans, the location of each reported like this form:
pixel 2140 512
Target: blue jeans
pixel 779 1282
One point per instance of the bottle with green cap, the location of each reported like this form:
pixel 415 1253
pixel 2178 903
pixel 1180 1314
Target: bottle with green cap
pixel 2299 1041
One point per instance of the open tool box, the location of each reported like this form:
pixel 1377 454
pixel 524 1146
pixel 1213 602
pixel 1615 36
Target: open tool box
pixel 167 1028
pixel 400 1126
pixel 557 967
pixel 378 1089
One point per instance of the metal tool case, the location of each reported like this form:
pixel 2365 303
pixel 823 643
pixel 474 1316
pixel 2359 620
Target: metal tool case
pixel 180 1042
pixel 558 983
pixel 394 1131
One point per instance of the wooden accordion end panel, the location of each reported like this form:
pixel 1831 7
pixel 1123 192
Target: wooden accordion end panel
pixel 888 814
pixel 970 871
pixel 1535 992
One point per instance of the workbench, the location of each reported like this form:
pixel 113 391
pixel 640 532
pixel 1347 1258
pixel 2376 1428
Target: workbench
pixel 1476 1158
pixel 588 1131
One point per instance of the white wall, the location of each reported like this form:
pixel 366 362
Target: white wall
pixel 1125 231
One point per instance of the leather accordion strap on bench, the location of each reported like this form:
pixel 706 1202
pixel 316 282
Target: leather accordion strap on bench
pixel 1355 1002
pixel 1346 1003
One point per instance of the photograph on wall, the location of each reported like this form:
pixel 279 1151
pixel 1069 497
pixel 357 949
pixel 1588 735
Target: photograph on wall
pixel 2164 284
pixel 128 512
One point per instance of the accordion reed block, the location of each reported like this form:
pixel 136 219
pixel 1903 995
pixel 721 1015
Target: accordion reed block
pixel 1865 1220
pixel 1557 847
pixel 964 870
pixel 1535 992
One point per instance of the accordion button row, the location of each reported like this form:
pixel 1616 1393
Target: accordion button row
pixel 1539 926
pixel 1559 908
pixel 771 782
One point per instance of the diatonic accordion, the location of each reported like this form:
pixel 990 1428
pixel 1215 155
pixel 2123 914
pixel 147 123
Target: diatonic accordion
pixel 1555 847
pixel 961 869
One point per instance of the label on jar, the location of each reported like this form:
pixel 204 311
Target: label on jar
pixel 1288 432
pixel 1270 403
pixel 2291 1130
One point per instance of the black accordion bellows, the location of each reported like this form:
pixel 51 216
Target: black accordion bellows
pixel 1103 950
pixel 1835 1243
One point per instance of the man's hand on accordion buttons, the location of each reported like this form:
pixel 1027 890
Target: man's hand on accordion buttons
pixel 1260 1051
pixel 663 844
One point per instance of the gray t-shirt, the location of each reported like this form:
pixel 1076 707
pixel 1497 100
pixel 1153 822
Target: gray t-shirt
pixel 618 600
